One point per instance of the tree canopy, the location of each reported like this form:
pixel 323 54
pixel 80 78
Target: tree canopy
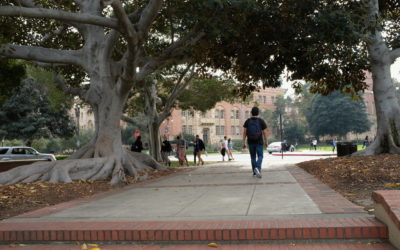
pixel 337 114
pixel 28 114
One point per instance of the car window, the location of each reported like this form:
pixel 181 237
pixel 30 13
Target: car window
pixel 19 151
pixel 30 151
pixel 3 151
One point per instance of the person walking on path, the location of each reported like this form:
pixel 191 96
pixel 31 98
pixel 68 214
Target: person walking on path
pixel 181 150
pixel 314 143
pixel 166 150
pixel 255 129
pixel 137 146
pixel 226 146
pixel 198 149
pixel 230 149
pixel 366 142
pixel 223 149
pixel 334 142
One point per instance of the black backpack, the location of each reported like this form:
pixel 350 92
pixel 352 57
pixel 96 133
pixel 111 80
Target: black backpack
pixel 168 147
pixel 254 130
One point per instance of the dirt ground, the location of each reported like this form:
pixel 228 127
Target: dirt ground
pixel 21 198
pixel 357 177
pixel 353 177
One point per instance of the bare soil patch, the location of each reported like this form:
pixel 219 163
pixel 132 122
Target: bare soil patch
pixel 25 197
pixel 357 177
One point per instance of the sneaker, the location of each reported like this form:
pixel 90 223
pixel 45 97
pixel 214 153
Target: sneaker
pixel 257 171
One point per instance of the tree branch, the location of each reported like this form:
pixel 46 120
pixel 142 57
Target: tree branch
pixel 76 91
pixel 394 54
pixel 40 54
pixel 58 15
pixel 136 121
pixel 52 34
pixel 178 89
pixel 174 53
pixel 132 40
pixel 147 17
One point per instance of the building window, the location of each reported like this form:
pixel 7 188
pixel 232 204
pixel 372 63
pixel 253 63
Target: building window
pixel 190 130
pixel 247 114
pixel 238 130
pixel 217 130
pixel 184 129
pixel 219 114
pixel 187 113
pixel 220 130
pixel 233 130
pixel 237 115
pixel 232 114
pixel 264 99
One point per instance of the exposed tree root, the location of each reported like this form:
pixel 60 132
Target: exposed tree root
pixel 384 144
pixel 100 168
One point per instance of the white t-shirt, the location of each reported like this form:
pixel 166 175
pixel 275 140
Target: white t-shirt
pixel 226 144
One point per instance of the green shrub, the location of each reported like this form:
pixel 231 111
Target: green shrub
pixel 40 144
pixel 61 157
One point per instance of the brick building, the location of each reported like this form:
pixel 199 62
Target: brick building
pixel 369 101
pixel 224 119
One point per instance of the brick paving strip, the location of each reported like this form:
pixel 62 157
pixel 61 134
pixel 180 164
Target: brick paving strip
pixel 249 246
pixel 343 227
pixel 328 200
pixel 338 228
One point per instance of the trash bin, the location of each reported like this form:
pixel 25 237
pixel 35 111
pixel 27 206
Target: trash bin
pixel 346 148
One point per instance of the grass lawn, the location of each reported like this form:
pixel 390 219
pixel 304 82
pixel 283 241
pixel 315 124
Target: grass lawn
pixel 191 163
pixel 324 148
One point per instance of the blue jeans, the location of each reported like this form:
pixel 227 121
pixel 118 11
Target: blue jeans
pixel 256 154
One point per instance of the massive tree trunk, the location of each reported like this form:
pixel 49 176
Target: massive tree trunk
pixel 386 104
pixel 103 156
pixel 153 120
pixel 155 140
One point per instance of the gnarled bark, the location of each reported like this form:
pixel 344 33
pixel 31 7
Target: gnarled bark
pixel 386 104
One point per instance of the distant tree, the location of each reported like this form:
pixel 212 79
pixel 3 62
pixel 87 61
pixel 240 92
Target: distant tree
pixel 153 103
pixel 337 114
pixel 295 131
pixel 28 115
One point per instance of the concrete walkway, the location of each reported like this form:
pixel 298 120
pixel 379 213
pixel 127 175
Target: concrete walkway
pixel 226 191
pixel 221 202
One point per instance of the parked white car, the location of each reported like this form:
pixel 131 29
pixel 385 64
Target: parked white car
pixel 20 153
pixel 277 146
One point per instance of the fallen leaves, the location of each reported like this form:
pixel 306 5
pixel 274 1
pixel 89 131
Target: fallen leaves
pixel 24 197
pixel 356 177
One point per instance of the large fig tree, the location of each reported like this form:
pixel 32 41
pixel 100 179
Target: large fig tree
pixel 107 41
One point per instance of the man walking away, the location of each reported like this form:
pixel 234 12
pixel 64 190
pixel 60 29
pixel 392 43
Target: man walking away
pixel 166 150
pixel 334 143
pixel 137 146
pixel 255 129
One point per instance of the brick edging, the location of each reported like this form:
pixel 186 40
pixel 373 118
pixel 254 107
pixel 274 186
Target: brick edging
pixel 390 201
pixel 337 228
pixel 328 200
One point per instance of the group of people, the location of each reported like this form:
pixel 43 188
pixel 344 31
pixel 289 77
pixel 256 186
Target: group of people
pixel 226 149
pixel 254 130
pixel 181 150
